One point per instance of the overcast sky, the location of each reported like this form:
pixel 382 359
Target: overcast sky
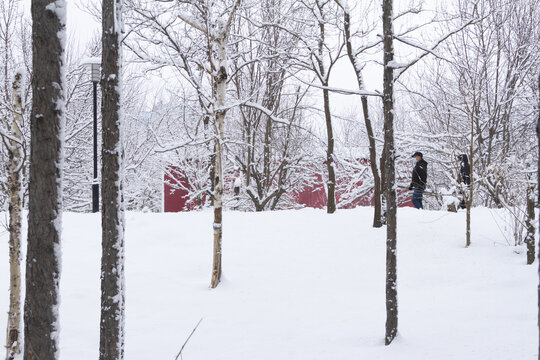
pixel 80 25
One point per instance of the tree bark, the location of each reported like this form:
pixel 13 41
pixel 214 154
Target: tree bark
pixel 529 240
pixel 331 205
pixel 43 256
pixel 221 93
pixel 538 187
pixel 111 345
pixel 391 239
pixel 469 199
pixel 13 341
pixel 324 75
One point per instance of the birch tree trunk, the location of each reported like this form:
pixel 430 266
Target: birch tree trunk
pixel 111 345
pixel 43 256
pixel 221 94
pixel 391 240
pixel 13 341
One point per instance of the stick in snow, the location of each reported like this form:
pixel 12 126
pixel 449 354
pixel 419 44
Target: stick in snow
pixel 185 343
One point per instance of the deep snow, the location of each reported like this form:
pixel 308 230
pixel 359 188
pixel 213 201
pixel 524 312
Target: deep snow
pixel 300 285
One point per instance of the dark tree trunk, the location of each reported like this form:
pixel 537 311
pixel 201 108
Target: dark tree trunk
pixel 331 205
pixel 111 345
pixel 529 240
pixel 377 219
pixel 538 187
pixel 391 241
pixel 469 197
pixel 43 257
pixel 324 74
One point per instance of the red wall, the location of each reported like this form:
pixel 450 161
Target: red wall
pixel 174 199
pixel 314 196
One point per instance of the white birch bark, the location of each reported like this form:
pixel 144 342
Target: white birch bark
pixel 14 333
pixel 220 43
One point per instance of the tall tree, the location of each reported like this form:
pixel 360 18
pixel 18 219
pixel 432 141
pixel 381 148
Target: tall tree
pixel 319 49
pixel 204 64
pixel 389 188
pixel 538 181
pixel 218 62
pixel 43 257
pixel 322 69
pixel 14 333
pixel 111 345
pixel 392 71
pixel 12 129
pixel 352 55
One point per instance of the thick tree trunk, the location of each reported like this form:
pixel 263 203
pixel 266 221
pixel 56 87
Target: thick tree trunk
pixel 331 205
pixel 221 93
pixel 377 219
pixel 14 334
pixel 43 256
pixel 111 345
pixel 391 239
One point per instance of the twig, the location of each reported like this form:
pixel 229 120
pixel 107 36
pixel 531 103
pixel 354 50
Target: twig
pixel 189 337
pixel 425 192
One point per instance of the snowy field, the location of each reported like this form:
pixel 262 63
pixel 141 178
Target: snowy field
pixel 301 285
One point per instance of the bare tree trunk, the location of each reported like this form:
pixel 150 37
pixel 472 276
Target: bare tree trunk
pixel 13 341
pixel 111 344
pixel 469 199
pixel 331 205
pixel 324 75
pixel 377 219
pixel 391 238
pixel 529 240
pixel 383 184
pixel 221 93
pixel 43 256
pixel 538 186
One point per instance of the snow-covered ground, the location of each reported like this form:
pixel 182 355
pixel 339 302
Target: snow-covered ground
pixel 301 285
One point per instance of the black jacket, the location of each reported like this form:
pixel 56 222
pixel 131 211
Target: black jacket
pixel 465 169
pixel 419 174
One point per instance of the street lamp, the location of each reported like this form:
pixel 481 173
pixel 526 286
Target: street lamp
pixel 95 72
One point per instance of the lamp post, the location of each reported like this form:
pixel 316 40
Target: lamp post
pixel 95 72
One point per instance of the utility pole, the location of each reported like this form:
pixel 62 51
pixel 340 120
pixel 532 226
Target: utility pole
pixel 95 74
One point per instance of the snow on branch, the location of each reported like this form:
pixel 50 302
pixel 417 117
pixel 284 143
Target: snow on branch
pixel 340 90
pixel 193 23
pixel 431 50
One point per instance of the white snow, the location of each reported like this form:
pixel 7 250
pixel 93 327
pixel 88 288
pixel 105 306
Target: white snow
pixel 91 60
pixel 301 285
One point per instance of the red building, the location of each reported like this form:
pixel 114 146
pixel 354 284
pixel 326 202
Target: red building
pixel 176 196
pixel 175 191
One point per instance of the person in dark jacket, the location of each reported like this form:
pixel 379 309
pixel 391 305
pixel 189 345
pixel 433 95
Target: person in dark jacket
pixel 419 179
pixel 464 169
pixel 465 175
